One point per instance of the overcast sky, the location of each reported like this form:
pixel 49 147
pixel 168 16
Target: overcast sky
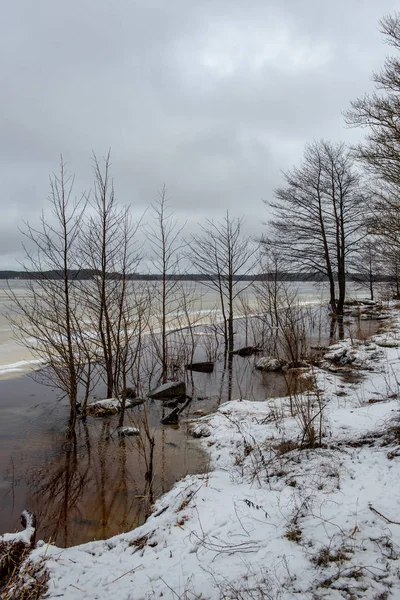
pixel 214 98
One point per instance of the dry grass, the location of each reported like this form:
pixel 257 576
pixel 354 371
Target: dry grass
pixel 294 534
pixel 140 542
pixel 286 446
pixel 326 556
pixel 20 579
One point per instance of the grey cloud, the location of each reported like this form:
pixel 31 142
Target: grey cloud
pixel 213 98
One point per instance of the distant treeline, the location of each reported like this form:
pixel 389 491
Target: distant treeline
pixel 88 275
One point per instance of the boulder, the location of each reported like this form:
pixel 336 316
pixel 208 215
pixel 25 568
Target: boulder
pixel 134 402
pixel 201 431
pixel 247 351
pixel 268 363
pixel 172 418
pixel 168 391
pixel 130 393
pixel 298 365
pixel 173 403
pixel 201 367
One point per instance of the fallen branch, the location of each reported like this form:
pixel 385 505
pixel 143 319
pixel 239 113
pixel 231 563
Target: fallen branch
pixel 77 588
pixel 381 515
pixel 127 573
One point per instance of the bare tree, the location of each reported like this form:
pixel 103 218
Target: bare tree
pixel 318 215
pixel 108 250
pixel 378 113
pixel 47 318
pixel 165 236
pixel 225 258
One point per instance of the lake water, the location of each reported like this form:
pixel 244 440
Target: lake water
pixel 15 359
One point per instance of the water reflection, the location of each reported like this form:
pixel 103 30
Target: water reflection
pixel 97 484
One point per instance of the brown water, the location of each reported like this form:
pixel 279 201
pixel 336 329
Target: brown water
pixel 88 488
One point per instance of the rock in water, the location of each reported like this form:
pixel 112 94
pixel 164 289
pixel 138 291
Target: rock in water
pixel 104 408
pixel 110 406
pixel 201 367
pixel 247 351
pixel 172 404
pixel 172 418
pixel 134 402
pixel 169 390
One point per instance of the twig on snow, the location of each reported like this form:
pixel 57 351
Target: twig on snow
pixel 381 515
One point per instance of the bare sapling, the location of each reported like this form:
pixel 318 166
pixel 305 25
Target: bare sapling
pixel 285 321
pixel 46 319
pixel 308 410
pixel 108 249
pixel 211 341
pixel 165 236
pixel 226 259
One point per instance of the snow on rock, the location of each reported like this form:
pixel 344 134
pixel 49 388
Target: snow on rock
pixel 20 536
pixel 268 363
pixel 272 518
pixel 127 431
pixel 110 406
pixel 352 354
pixel 27 535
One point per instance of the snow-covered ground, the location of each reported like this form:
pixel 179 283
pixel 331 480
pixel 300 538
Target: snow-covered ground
pixel 271 519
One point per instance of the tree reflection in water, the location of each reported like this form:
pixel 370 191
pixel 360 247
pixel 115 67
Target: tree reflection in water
pixel 97 484
pixel 93 489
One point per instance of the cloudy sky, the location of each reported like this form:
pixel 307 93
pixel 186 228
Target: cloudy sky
pixel 214 98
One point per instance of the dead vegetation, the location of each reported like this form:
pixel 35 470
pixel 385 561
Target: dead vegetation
pixel 327 555
pixel 294 534
pixel 140 542
pixel 21 579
